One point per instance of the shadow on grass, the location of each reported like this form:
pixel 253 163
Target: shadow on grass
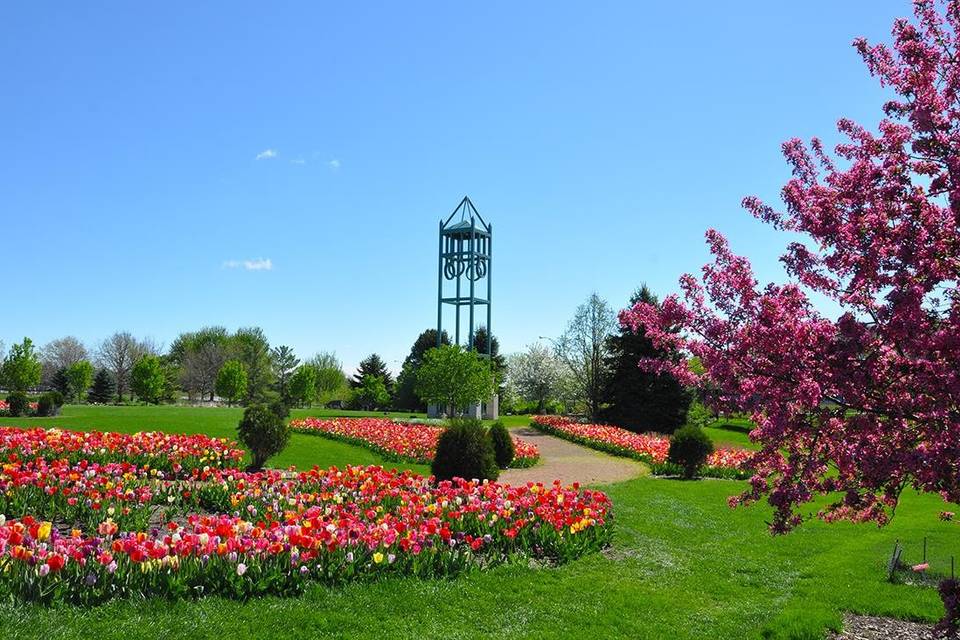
pixel 733 426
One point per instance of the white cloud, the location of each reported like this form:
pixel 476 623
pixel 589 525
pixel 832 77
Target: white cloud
pixel 258 264
pixel 298 161
pixel 267 154
pixel 334 164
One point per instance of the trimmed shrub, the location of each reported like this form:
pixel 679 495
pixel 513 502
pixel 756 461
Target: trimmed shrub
pixel 49 404
pixel 464 450
pixel 689 448
pixel 502 444
pixel 280 408
pixel 263 432
pixel 18 404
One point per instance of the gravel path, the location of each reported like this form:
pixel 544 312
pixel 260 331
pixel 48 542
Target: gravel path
pixel 872 628
pixel 569 463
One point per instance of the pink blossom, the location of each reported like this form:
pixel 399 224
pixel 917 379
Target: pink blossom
pixel 862 403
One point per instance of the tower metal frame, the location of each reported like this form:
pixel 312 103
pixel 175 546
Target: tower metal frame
pixel 466 259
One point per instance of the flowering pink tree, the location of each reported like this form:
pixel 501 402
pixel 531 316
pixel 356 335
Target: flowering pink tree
pixel 869 403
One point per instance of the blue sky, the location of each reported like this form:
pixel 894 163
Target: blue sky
pixel 601 139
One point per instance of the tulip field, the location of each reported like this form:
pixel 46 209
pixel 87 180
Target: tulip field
pixel 652 448
pixel 123 502
pixel 89 516
pixel 409 442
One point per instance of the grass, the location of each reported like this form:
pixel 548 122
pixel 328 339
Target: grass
pixel 515 421
pixel 683 565
pixel 731 432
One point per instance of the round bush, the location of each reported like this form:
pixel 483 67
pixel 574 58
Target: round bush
pixel 263 432
pixel 464 451
pixel 49 404
pixel 502 445
pixel 18 404
pixel 689 448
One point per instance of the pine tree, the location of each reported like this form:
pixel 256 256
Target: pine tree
pixel 284 364
pixel 60 382
pixel 103 388
pixel 639 400
pixel 372 365
pixel 497 361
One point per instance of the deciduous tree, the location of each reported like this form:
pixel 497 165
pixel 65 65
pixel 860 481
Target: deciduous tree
pixel 866 403
pixel 60 354
pixel 452 377
pixel 405 396
pixel 199 356
pixel 372 393
pixel 535 374
pixel 148 379
pixel 79 377
pixel 583 349
pixel 117 354
pixel 232 381
pixel 21 368
pixel 303 384
pixel 251 347
pixel 330 378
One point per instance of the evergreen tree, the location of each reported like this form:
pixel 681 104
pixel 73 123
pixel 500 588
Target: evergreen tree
pixel 284 364
pixel 640 400
pixel 60 382
pixel 372 365
pixel 497 361
pixel 103 388
pixel 405 396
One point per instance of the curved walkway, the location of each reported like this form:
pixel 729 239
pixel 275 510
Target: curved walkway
pixel 568 462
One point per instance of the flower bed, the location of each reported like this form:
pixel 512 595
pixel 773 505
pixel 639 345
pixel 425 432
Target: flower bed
pixel 162 451
pixel 400 441
pixel 649 447
pixel 83 531
pixel 5 406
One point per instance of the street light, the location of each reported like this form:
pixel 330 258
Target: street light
pixel 552 341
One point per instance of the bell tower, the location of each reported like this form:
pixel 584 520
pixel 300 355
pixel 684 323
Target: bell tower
pixel 464 276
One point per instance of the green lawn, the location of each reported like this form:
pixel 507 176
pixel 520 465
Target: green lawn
pixel 731 432
pixel 683 565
